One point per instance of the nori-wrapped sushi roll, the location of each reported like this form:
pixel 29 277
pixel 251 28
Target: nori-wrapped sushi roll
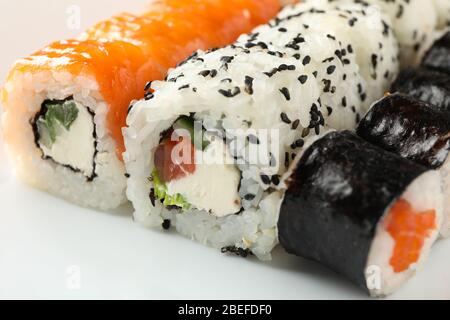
pixel 364 212
pixel 413 130
pixel 438 57
pixel 431 86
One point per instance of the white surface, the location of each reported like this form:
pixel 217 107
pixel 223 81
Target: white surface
pixel 44 241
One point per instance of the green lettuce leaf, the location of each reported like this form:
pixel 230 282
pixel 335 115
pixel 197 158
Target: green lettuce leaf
pixel 58 114
pixel 168 200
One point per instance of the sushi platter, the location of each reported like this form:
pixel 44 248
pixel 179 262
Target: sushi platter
pixel 226 149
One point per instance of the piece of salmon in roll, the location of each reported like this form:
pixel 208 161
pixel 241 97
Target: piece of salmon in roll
pixel 414 130
pixel 206 150
pixel 65 105
pixel 365 213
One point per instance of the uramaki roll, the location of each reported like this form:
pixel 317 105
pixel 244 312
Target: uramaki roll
pixel 253 105
pixel 65 105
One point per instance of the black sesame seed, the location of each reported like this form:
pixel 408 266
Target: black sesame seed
pixel 271 73
pixel 230 93
pixel 295 124
pixel 227 59
pixel 331 69
pixel 276 180
pixel 286 94
pixel 249 197
pixel 166 224
pixel 204 73
pixel 327 85
pixel 285 118
pixel 374 60
pixel 265 179
pixel 305 132
pixel 303 79
pixel 249 84
pixel 330 110
pixel 300 143
pixel 306 60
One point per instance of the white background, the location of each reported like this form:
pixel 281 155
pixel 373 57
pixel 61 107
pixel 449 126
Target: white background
pixel 45 242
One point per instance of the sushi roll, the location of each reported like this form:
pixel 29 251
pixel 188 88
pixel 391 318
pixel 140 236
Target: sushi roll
pixel 65 105
pixel 412 33
pixel 438 56
pixel 414 130
pixel 347 26
pixel 228 98
pixel 428 85
pixel 253 104
pixel 367 214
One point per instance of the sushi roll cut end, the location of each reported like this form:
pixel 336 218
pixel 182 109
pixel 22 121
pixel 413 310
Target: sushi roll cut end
pixel 65 133
pixel 415 130
pixel 199 176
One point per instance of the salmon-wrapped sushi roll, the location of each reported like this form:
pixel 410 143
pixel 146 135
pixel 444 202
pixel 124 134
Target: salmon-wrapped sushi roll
pixel 65 105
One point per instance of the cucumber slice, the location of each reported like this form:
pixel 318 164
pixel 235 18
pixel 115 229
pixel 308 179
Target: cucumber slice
pixel 196 134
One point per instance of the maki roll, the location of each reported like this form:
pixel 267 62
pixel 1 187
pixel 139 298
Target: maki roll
pixel 365 213
pixel 438 56
pixel 349 25
pixel 206 150
pixel 415 131
pixel 428 85
pixel 65 105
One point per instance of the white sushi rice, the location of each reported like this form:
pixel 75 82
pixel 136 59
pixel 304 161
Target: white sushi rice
pixel 413 22
pixel 424 193
pixel 23 96
pixel 347 97
pixel 376 55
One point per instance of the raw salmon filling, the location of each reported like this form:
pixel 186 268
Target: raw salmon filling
pixel 409 229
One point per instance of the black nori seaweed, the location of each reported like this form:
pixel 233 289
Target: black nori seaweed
pixel 428 85
pixel 438 57
pixel 409 128
pixel 337 195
